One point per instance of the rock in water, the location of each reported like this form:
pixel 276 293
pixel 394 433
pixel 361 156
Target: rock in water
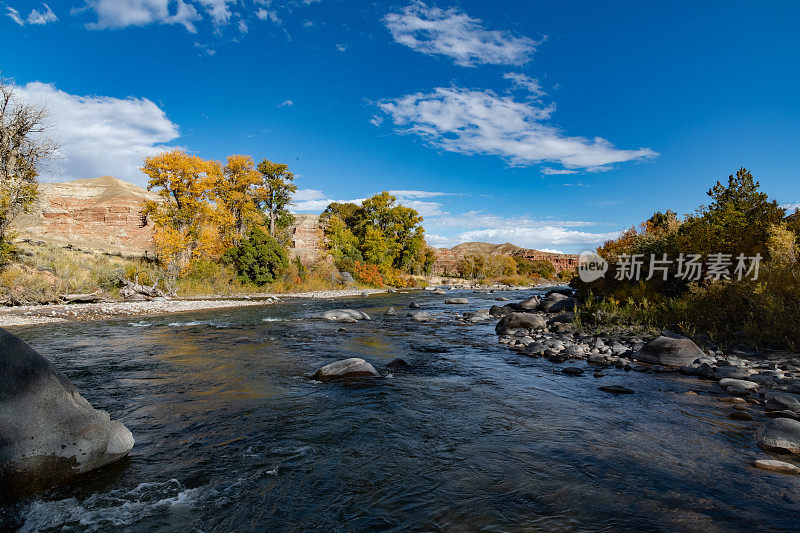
pixel 669 349
pixel 530 304
pixel 616 389
pixel 780 467
pixel 516 321
pixel 420 316
pixel 346 369
pixel 413 305
pixel 398 364
pixel 780 434
pixel 48 432
pixel 390 312
pixel 344 315
pixel 457 301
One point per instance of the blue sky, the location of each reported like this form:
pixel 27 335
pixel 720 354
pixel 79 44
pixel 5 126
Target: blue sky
pixel 551 125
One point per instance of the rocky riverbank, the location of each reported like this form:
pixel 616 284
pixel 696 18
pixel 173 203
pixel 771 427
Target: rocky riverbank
pixel 761 387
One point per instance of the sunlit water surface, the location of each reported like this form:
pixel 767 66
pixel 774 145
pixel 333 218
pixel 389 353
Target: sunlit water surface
pixel 232 434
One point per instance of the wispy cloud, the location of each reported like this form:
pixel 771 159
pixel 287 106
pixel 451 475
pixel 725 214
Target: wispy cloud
pixel 315 200
pixel 100 135
pixel 37 17
pixel 450 32
pixel 547 234
pixel 481 122
pixel 522 81
pixel 286 103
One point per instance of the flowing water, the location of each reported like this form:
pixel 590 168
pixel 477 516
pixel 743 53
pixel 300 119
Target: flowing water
pixel 232 434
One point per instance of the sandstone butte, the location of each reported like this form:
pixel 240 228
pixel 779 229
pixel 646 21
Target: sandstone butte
pixel 105 215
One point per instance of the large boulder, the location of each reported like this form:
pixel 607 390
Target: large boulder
pixel 457 301
pixel 420 316
pixel 557 303
pixel 344 315
pixel 509 324
pixel 530 304
pixel 779 434
pixel 346 369
pixel 48 432
pixel 669 349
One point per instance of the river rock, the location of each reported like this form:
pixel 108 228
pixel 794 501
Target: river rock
pixel 616 389
pixel 457 301
pixel 572 371
pixel 344 315
pixel 420 316
pixel 558 306
pixel 398 364
pixel 779 467
pixel 669 349
pixel 496 310
pixel 782 402
pixel 779 434
pixel 48 432
pixel 530 304
pixel 739 384
pixel 563 318
pixel 734 372
pixel 516 321
pixel 438 291
pixel 346 369
pixel 390 312
pixel 413 305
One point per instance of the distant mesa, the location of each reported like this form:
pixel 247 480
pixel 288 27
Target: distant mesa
pixel 447 258
pixel 101 214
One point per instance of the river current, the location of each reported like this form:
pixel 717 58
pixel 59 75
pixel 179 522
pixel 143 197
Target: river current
pixel 232 434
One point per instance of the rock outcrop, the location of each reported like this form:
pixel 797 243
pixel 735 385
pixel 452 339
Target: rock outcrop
pixel 48 432
pixel 99 214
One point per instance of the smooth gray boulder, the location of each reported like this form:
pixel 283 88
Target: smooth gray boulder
pixel 457 301
pixel 420 316
pixel 531 303
pixel 346 369
pixel 669 349
pixel 782 402
pixel 48 432
pixel 516 321
pixel 779 434
pixel 344 315
pixel 390 312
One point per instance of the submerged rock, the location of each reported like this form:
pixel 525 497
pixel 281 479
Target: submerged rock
pixel 48 432
pixel 616 389
pixel 669 349
pixel 346 369
pixel 344 315
pixel 779 467
pixel 398 364
pixel 779 434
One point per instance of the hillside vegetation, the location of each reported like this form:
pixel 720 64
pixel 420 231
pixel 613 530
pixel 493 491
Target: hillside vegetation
pixel 760 304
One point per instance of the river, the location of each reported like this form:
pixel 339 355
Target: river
pixel 231 434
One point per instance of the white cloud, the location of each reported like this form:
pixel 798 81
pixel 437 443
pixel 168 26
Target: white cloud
pixel 286 103
pixel 544 235
pixel 100 135
pixel 404 193
pixel 521 81
pixel 314 200
pixel 450 32
pixel 538 238
pixel 219 10
pixel 376 120
pixel 341 47
pixel 37 17
pixel 124 13
pixel 14 15
pixel 555 171
pixel 267 14
pixel 481 122
pixel 790 208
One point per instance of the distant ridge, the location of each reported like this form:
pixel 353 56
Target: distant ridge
pixel 485 248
